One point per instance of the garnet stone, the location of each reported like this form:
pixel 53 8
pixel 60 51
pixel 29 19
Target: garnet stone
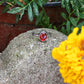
pixel 43 35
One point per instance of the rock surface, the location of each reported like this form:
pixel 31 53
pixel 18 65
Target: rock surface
pixel 27 60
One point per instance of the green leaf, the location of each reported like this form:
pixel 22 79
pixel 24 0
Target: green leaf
pixel 35 7
pixel 82 9
pixel 63 30
pixel 22 13
pixel 39 3
pixel 63 15
pixel 1 2
pixel 5 9
pixel 63 3
pixel 68 8
pixel 73 21
pixel 77 12
pixel 26 1
pixel 81 24
pixel 39 17
pixel 68 27
pixel 72 3
pixel 67 1
pixel 30 14
pixel 67 4
pixel 81 15
pixel 15 10
pixel 72 27
pixel 55 27
pixel 50 26
pixel 17 18
pixel 19 3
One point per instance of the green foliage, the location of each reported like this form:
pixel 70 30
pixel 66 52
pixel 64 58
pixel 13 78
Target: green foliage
pixel 76 5
pixel 18 7
pixel 43 20
pixel 35 7
pixel 63 15
pixel 30 13
pixel 5 9
pixel 1 1
pixel 32 7
pixel 15 10
pixel 75 10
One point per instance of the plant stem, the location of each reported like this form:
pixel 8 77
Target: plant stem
pixel 71 13
pixel 28 4
pixel 10 4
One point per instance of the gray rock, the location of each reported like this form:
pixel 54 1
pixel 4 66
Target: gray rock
pixel 27 60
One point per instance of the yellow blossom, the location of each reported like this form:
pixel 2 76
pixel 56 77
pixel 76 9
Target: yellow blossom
pixel 70 55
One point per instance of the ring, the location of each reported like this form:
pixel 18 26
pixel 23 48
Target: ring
pixel 42 35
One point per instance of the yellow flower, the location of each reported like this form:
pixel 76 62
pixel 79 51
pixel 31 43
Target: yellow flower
pixel 70 54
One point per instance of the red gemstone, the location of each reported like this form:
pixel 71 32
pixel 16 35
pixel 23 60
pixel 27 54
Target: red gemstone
pixel 43 36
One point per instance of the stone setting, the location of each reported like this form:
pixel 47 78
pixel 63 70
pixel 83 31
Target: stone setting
pixel 43 36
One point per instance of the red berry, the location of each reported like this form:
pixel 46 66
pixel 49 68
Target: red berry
pixel 43 36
